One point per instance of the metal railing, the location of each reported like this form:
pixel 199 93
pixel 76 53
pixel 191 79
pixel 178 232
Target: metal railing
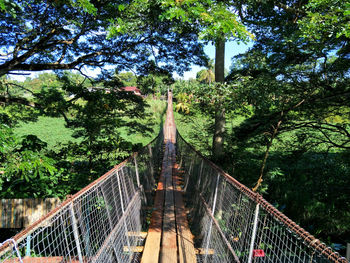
pixel 234 224
pixel 100 223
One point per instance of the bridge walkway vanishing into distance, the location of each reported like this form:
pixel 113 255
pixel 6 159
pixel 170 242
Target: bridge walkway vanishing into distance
pixel 195 213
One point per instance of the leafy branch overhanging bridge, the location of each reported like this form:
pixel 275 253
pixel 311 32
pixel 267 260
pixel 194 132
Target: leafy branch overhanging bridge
pixel 104 221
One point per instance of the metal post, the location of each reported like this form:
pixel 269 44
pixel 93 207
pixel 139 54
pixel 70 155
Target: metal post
pixel 107 210
pixel 191 167
pixel 216 194
pixel 28 246
pixel 75 232
pixel 151 165
pixel 255 226
pixel 65 238
pixel 187 178
pixel 109 219
pixel 348 252
pixel 87 226
pixel 120 193
pixel 114 195
pixel 15 247
pixel 137 172
pixel 200 175
pixel 211 220
pixel 123 211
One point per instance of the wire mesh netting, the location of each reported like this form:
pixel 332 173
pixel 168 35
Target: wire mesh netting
pixel 101 223
pixel 233 224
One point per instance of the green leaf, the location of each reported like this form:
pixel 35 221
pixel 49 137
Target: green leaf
pixel 87 6
pixel 2 5
pixel 121 7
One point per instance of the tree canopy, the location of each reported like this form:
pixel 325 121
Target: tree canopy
pixel 294 68
pixel 294 80
pixel 67 35
pixel 57 35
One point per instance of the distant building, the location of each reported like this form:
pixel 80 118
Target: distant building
pixel 135 90
pixel 93 89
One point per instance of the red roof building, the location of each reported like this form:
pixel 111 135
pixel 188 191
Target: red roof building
pixel 135 90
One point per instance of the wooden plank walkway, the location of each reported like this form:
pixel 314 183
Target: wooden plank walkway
pixel 169 238
pixel 20 213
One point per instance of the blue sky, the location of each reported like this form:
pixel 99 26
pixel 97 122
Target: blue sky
pixel 232 49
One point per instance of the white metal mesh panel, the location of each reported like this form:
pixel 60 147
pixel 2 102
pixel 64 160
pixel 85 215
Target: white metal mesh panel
pixel 101 223
pixel 222 216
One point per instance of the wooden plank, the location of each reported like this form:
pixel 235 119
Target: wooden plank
pixel 202 251
pixel 168 251
pixel 7 214
pixel 165 210
pixel 49 204
pixel 135 249
pixel 19 213
pixel 142 235
pixel 152 244
pixel 29 203
pixel 40 208
pixel 37 209
pixel 27 212
pixel 187 252
pixel 12 219
pixel 1 213
pixel 4 213
pixel 15 207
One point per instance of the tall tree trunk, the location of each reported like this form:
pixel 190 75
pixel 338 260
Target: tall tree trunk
pixel 218 138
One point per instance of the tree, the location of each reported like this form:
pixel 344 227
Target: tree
pixel 62 35
pixel 94 113
pixel 127 78
pixel 300 66
pixel 217 23
pixel 206 75
pixel 26 170
pixel 220 120
pixel 66 35
pixel 297 84
pixel 57 35
pixel 156 81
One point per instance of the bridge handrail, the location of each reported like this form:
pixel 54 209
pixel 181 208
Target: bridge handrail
pixel 309 239
pixel 45 221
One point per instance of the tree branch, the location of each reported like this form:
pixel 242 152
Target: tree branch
pixel 22 101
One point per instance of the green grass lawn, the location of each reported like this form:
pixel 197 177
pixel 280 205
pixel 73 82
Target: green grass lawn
pixel 53 130
pixel 154 121
pixel 48 129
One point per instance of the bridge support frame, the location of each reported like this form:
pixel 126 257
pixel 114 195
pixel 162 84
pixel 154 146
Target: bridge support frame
pixel 255 228
pixel 211 220
pixel 75 232
pixel 137 173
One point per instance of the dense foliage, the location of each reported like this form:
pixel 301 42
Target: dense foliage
pixel 285 100
pixel 94 115
pixel 56 35
pixel 288 117
pixel 101 36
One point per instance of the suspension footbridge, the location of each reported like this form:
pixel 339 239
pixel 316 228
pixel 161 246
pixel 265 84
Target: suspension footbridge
pixel 166 203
